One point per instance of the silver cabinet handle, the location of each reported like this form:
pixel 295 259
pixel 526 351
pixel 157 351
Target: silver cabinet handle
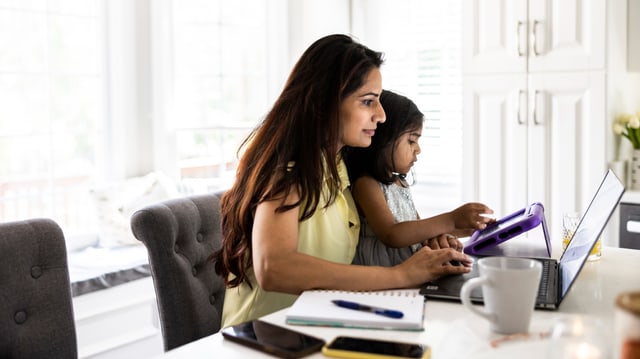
pixel 536 122
pixel 519 116
pixel 520 23
pixel 534 42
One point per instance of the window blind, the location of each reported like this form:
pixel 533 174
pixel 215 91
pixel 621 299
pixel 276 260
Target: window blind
pixel 421 40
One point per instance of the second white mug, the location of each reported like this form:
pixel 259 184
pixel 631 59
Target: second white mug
pixel 509 287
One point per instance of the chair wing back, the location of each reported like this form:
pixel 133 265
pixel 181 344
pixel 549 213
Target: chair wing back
pixel 180 234
pixel 36 311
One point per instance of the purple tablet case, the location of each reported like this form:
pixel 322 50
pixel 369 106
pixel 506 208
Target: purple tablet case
pixel 509 227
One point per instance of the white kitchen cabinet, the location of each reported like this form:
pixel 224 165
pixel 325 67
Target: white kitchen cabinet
pixel 495 168
pixel 566 149
pixel 515 155
pixel 534 104
pixel 532 36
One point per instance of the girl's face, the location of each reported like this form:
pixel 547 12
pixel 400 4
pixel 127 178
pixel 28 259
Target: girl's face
pixel 361 112
pixel 406 151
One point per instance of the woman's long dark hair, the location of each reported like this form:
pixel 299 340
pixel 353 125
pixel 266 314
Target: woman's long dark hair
pixel 402 116
pixel 302 127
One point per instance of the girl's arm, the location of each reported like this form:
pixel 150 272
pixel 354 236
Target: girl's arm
pixel 280 267
pixel 461 222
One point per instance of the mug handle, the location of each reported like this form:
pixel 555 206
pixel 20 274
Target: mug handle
pixel 465 293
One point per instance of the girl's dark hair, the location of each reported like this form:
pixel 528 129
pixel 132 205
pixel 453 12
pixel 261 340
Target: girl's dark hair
pixel 377 160
pixel 303 127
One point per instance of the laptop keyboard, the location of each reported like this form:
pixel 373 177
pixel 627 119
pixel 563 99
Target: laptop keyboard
pixel 542 290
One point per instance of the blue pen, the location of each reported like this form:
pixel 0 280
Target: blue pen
pixel 367 308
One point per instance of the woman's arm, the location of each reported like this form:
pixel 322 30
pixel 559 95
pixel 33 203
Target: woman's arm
pixel 462 221
pixel 280 267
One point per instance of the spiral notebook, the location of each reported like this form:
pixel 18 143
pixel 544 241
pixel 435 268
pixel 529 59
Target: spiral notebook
pixel 316 307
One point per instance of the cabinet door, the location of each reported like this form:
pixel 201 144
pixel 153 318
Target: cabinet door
pixel 495 141
pixel 566 141
pixel 494 36
pixel 535 36
pixel 566 35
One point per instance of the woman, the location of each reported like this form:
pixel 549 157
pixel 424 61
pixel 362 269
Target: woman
pixel 289 222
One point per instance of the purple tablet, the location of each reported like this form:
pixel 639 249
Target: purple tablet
pixel 508 227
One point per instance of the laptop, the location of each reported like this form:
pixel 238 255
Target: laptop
pixel 558 275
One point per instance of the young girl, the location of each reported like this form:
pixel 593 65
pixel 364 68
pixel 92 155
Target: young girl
pixel 391 229
pixel 289 222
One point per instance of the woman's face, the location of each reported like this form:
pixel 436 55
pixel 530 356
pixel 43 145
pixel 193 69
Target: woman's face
pixel 361 112
pixel 406 151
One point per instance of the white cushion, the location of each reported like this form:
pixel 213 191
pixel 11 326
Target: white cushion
pixel 115 203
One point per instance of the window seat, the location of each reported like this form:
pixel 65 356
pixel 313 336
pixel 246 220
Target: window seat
pixel 97 268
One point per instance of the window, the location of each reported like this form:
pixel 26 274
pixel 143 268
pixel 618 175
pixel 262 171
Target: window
pixel 421 40
pixel 78 79
pixel 52 90
pixel 96 90
pixel 218 84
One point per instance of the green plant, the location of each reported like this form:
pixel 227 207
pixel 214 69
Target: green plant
pixel 628 125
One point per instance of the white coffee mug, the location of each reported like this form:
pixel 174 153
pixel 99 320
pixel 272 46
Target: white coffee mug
pixel 509 287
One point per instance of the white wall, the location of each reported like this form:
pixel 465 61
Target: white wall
pixel 311 20
pixel 623 92
pixel 623 85
pixel 633 26
pixel 129 90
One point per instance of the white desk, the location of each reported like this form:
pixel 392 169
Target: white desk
pixel 453 332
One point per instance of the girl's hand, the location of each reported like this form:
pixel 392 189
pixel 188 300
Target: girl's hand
pixel 472 216
pixel 444 241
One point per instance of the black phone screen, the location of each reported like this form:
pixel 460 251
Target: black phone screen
pixel 273 339
pixel 380 347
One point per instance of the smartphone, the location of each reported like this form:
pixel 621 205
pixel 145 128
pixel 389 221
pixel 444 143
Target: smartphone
pixel 351 347
pixel 273 339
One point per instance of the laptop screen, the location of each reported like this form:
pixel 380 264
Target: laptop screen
pixel 589 229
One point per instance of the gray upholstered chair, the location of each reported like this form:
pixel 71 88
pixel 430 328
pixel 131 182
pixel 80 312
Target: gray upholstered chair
pixel 36 311
pixel 180 234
